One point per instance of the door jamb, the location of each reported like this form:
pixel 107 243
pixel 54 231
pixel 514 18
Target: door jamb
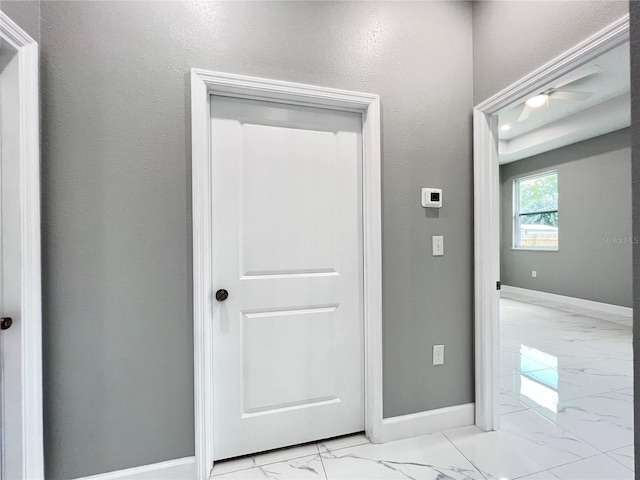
pixel 486 208
pixel 203 84
pixel 30 319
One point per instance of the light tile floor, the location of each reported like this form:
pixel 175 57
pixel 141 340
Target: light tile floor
pixel 566 405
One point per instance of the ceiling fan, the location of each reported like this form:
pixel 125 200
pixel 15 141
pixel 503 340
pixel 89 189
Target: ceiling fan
pixel 556 94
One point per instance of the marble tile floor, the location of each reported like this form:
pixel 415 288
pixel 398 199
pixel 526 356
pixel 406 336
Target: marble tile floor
pixel 566 413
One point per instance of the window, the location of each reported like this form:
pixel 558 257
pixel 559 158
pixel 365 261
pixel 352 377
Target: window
pixel 535 212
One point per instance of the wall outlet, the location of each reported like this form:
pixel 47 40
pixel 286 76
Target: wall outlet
pixel 534 274
pixel 438 354
pixel 437 245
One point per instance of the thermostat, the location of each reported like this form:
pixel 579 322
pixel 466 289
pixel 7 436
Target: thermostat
pixel 432 197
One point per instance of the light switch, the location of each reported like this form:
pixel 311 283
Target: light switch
pixel 438 245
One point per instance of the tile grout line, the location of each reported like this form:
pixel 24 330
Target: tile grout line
pixel 525 406
pixel 577 366
pixel 616 460
pixel 564 401
pixel 558 466
pixel 287 459
pixel 255 465
pixel 539 471
pixel 565 429
pixel 619 462
pixel 481 472
pixel 324 469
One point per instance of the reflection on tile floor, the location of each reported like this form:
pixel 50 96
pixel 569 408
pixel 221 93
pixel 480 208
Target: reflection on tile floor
pixel 566 408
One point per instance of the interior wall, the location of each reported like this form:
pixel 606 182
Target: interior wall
pixel 516 43
pixel 116 201
pixel 26 13
pixel 511 39
pixel 634 13
pixel 593 261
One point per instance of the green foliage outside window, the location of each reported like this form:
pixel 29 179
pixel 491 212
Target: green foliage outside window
pixel 539 200
pixel 536 212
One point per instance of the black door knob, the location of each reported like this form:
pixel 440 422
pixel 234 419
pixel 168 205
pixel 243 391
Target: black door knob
pixel 221 295
pixel 5 323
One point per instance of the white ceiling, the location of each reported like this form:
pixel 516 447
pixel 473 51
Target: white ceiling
pixel 564 122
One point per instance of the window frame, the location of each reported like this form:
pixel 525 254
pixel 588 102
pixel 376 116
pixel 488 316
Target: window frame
pixel 515 223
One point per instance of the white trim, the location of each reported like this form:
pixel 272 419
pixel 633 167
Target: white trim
pixel 487 270
pixel 204 83
pixel 611 36
pixel 31 315
pixel 486 208
pixel 179 469
pixel 577 302
pixel 424 423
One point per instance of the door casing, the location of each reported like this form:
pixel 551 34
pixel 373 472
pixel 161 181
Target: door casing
pixel 487 204
pixel 30 316
pixel 204 84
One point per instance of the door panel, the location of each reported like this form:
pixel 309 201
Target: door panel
pixel 287 236
pixel 293 216
pixel 296 350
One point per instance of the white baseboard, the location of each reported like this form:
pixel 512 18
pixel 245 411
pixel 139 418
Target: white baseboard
pixel 423 423
pixel 578 302
pixel 394 428
pixel 179 469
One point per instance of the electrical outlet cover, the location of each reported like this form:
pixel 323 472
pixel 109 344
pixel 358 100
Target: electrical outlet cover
pixel 438 354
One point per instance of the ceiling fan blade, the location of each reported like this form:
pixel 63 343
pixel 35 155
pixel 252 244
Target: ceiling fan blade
pixel 526 111
pixel 579 74
pixel 567 95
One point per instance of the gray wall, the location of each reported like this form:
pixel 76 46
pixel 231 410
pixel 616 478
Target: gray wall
pixel 511 39
pixel 594 258
pixel 634 11
pixel 26 13
pixel 116 201
pixel 116 219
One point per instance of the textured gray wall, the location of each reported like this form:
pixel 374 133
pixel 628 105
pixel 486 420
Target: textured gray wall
pixel 594 204
pixel 634 12
pixel 511 39
pixel 116 201
pixel 26 13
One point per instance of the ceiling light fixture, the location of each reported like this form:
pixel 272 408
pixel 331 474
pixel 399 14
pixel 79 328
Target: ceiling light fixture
pixel 505 128
pixel 538 100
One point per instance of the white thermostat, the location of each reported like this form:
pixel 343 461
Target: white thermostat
pixel 432 197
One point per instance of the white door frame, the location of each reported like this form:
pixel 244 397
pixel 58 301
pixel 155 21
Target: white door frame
pixel 31 315
pixel 203 85
pixel 487 205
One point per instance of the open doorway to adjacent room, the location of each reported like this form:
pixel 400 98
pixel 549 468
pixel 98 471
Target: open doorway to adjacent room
pixel 565 261
pixel 553 172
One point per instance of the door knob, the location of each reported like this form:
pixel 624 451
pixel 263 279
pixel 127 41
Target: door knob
pixel 221 295
pixel 5 323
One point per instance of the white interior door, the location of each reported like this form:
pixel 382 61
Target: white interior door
pixel 288 356
pixel 10 267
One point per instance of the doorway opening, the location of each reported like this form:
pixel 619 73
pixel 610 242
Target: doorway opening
pixel 553 258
